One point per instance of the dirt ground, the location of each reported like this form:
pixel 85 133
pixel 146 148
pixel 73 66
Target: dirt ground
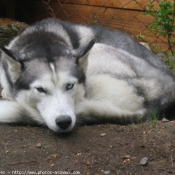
pixel 94 150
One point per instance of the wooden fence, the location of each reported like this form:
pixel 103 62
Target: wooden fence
pixel 126 15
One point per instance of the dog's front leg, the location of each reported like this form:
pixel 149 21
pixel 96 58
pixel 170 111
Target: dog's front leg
pixel 12 112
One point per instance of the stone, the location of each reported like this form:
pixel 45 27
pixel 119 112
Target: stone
pixel 144 161
pixel 165 120
pixel 38 145
pixel 106 172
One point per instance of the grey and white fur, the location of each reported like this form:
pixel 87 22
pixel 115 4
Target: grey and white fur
pixel 59 73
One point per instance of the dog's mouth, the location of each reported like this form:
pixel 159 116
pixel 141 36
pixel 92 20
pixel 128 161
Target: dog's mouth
pixel 58 130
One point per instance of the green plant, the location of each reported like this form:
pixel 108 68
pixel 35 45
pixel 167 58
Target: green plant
pixel 154 117
pixel 171 64
pixel 155 48
pixel 8 32
pixel 164 20
pixel 95 18
pixel 141 36
pixel 140 118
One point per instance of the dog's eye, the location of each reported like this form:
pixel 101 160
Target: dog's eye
pixel 40 89
pixel 69 86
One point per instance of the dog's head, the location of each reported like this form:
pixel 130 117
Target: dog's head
pixel 46 76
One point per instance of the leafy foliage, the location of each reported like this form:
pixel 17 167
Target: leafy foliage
pixel 164 20
pixel 8 32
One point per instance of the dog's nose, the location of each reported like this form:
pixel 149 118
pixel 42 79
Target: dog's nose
pixel 63 121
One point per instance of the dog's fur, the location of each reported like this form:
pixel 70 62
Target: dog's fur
pixel 59 73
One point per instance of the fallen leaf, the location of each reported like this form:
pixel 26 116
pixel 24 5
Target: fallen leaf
pixel 53 156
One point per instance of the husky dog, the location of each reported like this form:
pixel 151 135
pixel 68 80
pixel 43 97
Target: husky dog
pixel 58 74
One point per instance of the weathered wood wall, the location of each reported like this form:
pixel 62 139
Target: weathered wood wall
pixel 125 15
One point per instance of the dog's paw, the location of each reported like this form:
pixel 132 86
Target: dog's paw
pixel 5 95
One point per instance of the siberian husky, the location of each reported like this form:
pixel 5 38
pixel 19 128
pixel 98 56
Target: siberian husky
pixel 59 73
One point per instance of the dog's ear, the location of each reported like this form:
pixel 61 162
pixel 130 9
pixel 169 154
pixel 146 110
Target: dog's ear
pixel 11 64
pixel 82 53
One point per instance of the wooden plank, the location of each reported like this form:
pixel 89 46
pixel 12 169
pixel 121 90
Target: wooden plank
pixel 102 16
pixel 128 4
pixel 125 4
